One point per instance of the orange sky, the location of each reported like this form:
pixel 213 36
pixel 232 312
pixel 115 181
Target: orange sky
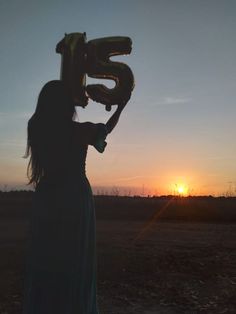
pixel 179 126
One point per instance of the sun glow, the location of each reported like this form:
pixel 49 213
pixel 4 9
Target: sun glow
pixel 181 190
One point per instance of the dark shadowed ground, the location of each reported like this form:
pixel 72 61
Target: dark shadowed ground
pixel 174 266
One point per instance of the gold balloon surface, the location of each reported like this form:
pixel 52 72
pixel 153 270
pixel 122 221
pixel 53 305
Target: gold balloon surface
pixel 93 58
pixel 99 65
pixel 73 50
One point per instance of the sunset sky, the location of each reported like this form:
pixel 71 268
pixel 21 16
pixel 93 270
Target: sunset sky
pixel 179 126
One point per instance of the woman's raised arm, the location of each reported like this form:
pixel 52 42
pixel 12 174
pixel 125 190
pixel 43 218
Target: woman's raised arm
pixel 112 122
pixel 95 133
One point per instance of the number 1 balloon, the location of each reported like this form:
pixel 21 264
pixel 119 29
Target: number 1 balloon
pixel 73 48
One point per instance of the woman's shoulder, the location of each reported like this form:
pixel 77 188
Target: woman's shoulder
pixel 88 128
pixel 91 133
pixel 83 125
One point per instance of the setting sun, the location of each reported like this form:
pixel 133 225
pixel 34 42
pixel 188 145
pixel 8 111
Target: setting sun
pixel 181 189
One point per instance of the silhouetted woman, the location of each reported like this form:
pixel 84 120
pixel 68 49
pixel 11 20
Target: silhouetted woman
pixel 60 272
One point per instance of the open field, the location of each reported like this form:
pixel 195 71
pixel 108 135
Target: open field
pixel 174 266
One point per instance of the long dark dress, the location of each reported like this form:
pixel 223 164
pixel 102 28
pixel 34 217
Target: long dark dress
pixel 60 273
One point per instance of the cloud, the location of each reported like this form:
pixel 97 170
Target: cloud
pixel 173 101
pixel 130 178
pixel 216 158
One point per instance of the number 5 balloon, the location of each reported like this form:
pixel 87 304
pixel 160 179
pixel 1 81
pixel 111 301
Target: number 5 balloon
pixel 99 65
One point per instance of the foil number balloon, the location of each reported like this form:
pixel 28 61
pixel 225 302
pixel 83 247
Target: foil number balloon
pixel 93 58
pixel 73 48
pixel 100 66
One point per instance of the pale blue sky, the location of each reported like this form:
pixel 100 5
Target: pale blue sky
pixel 179 125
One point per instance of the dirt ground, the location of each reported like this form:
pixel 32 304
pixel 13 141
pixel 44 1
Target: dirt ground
pixel 172 267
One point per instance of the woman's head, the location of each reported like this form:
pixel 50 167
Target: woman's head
pixel 49 127
pixel 54 102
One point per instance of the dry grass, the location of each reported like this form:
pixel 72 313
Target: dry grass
pixel 174 267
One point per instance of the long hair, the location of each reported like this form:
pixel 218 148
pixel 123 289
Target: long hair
pixel 50 124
